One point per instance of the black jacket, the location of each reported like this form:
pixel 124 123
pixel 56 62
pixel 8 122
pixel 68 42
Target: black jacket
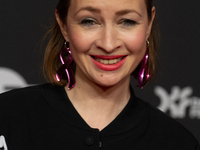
pixel 43 118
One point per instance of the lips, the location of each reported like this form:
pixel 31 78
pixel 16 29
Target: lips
pixel 108 63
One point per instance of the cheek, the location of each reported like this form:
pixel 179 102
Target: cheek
pixel 79 41
pixel 136 45
pixel 136 41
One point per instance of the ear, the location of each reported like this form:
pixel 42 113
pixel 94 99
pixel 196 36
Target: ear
pixel 62 26
pixel 153 12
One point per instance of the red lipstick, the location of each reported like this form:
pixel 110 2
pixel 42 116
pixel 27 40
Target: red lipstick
pixel 109 67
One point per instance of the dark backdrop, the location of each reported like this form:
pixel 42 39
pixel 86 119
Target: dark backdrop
pixel 176 88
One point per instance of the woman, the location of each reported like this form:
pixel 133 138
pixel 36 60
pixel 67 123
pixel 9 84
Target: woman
pixel 90 104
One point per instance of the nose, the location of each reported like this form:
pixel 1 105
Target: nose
pixel 108 39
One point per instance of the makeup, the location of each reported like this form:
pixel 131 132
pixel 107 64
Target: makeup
pixel 108 63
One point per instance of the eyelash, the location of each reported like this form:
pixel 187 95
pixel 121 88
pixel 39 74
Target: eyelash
pixel 91 22
pixel 128 22
pixel 88 22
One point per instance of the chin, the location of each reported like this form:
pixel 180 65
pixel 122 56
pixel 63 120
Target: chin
pixel 109 82
pixel 105 86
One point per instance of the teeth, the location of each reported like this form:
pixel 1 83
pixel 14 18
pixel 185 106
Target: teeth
pixel 111 61
pixel 108 62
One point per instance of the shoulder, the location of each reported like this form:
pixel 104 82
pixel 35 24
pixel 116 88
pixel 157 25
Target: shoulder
pixel 20 104
pixel 28 109
pixel 19 97
pixel 169 130
pixel 23 92
pixel 162 120
pixel 28 91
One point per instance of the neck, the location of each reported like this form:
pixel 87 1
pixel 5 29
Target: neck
pixel 99 105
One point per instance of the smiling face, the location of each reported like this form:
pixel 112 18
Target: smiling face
pixel 107 38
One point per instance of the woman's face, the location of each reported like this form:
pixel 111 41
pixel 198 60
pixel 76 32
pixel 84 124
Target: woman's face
pixel 107 38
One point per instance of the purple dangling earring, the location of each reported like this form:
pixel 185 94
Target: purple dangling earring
pixel 66 67
pixel 143 75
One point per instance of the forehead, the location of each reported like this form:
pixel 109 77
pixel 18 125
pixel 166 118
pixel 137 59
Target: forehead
pixel 112 5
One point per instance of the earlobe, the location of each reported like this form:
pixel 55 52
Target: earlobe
pixel 62 26
pixel 153 12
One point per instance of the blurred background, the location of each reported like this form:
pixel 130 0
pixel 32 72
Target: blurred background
pixel 176 90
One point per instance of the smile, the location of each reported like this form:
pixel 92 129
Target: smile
pixel 108 63
pixel 108 60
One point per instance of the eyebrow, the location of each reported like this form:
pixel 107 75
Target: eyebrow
pixel 126 11
pixel 119 13
pixel 88 8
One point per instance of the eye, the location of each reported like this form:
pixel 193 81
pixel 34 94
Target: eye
pixel 88 22
pixel 128 22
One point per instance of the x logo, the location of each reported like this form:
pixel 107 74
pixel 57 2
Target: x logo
pixel 3 145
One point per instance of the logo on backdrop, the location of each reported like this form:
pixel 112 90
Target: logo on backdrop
pixel 10 79
pixel 3 145
pixel 178 102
